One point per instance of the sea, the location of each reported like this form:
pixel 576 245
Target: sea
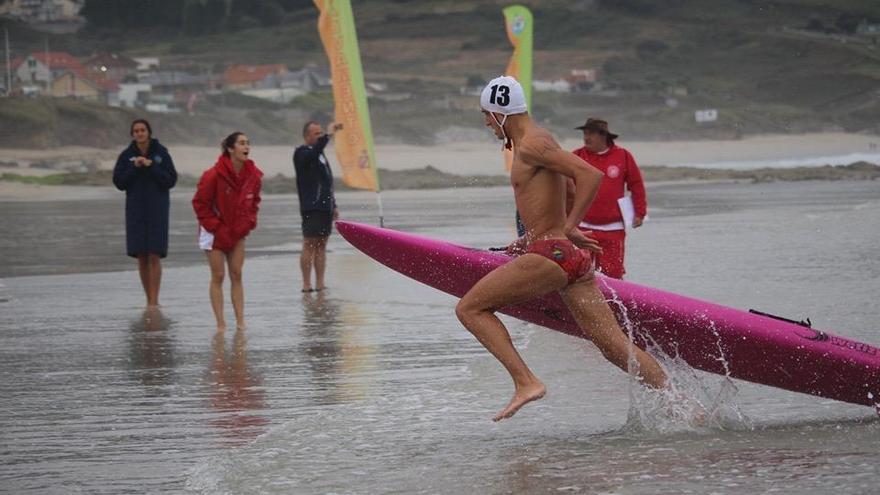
pixel 372 386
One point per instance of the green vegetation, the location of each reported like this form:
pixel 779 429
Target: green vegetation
pixel 431 178
pixel 768 66
pixel 46 180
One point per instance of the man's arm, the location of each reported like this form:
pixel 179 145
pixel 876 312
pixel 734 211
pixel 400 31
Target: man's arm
pixel 308 156
pixel 547 153
pixel 636 186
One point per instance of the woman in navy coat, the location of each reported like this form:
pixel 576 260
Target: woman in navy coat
pixel 146 173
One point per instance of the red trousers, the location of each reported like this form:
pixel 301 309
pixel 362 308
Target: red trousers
pixel 610 261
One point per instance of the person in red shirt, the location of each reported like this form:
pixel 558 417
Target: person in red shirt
pixel 604 219
pixel 226 203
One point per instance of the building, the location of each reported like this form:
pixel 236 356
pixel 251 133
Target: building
pixel 42 10
pixel 86 86
pixel 239 77
pixel 146 64
pixel 117 68
pixel 271 83
pixel 134 94
pixel 706 115
pixel 576 81
pixel 61 74
pixel 866 28
pixel 556 86
pixel 175 81
pixel 583 80
pixel 7 7
pixel 170 91
pixel 39 68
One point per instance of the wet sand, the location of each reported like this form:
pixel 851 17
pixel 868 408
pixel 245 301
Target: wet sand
pixel 374 387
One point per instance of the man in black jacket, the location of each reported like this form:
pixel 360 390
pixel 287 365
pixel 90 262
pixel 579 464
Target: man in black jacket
pixel 317 204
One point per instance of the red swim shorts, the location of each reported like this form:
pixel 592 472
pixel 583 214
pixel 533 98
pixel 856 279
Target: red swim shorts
pixel 575 262
pixel 610 260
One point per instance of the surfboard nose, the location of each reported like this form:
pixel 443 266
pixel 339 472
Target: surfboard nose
pixel 362 235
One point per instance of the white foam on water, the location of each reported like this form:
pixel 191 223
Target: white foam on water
pixel 809 161
pixel 693 401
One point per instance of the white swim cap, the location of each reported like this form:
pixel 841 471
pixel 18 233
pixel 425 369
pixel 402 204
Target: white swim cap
pixel 503 95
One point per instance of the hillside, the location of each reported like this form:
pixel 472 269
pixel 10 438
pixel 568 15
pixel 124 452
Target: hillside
pixel 768 66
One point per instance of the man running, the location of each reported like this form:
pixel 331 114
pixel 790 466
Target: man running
pixel 552 259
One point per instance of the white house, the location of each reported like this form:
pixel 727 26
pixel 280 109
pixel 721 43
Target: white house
pixel 133 94
pixel 146 64
pixel 706 115
pixel 39 68
pixel 557 86
pixel 42 10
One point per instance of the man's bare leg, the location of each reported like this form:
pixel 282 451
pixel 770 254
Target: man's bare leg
pixel 306 259
pixel 595 318
pixel 144 272
pixel 320 261
pixel 216 261
pixel 155 279
pixel 526 277
pixel 235 260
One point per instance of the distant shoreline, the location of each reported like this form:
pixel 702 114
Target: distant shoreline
pixel 483 157
pixel 92 185
pixel 73 172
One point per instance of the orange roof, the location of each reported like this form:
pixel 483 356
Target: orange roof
pixel 246 74
pixel 56 60
pixel 59 61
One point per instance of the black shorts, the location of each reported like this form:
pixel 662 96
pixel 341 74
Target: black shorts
pixel 317 223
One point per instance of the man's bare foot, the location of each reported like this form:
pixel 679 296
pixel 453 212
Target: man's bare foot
pixel 306 289
pixel 688 407
pixel 240 325
pixel 521 397
pixel 699 415
pixel 221 327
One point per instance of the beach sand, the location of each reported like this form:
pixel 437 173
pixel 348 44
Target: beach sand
pixel 484 157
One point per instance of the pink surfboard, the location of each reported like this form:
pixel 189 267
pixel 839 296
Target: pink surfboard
pixel 758 348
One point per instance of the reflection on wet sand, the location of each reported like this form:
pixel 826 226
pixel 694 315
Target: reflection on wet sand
pixel 236 390
pixel 329 346
pixel 151 353
pixel 611 462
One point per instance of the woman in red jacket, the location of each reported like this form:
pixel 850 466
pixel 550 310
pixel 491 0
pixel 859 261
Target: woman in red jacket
pixel 226 203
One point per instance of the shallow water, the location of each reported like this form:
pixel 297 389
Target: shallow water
pixel 374 387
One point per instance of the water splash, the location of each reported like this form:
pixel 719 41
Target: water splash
pixel 876 404
pixel 692 402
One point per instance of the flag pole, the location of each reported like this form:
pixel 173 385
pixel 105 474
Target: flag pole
pixel 381 213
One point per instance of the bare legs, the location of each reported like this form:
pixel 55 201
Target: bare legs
pixel 150 270
pixel 235 260
pixel 526 277
pixel 530 276
pixel 595 318
pixel 218 262
pixel 314 254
